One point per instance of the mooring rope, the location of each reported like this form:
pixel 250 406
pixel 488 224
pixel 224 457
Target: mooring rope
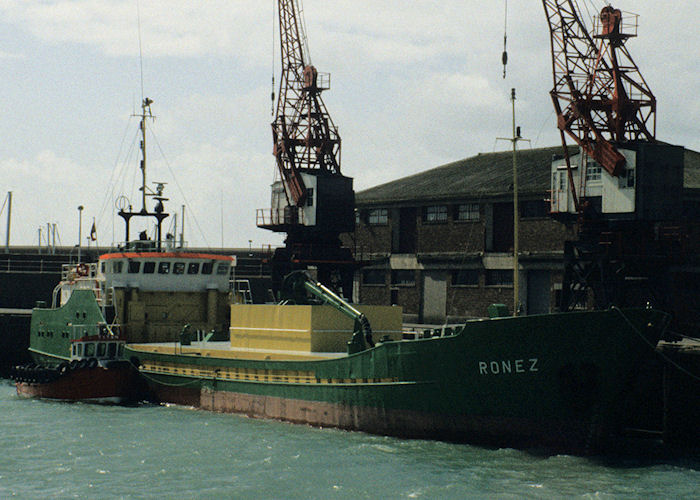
pixel 152 379
pixel 660 353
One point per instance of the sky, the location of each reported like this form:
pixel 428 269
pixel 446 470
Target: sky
pixel 414 85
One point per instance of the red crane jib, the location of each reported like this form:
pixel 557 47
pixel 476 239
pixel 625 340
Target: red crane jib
pixel 600 96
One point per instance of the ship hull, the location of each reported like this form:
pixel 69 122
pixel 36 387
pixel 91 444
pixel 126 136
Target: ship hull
pixel 115 384
pixel 559 381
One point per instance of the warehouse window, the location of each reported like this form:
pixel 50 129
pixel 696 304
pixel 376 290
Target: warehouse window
pixel 378 216
pixel 534 208
pixel 435 213
pixel 373 277
pixel 465 277
pixel 468 211
pixel 499 277
pixel 403 277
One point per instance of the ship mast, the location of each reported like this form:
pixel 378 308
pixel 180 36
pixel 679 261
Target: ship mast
pixel 159 210
pixel 145 105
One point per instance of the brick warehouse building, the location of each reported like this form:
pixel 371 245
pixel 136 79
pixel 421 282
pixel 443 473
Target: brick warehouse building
pixel 439 243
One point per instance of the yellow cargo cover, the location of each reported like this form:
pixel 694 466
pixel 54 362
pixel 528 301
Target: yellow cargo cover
pixel 310 328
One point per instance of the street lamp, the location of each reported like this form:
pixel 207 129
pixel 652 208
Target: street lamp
pixel 80 228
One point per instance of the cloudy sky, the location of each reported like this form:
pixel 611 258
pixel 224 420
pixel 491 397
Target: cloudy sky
pixel 414 85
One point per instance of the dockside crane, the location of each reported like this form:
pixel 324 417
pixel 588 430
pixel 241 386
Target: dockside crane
pixel 312 202
pixel 623 189
pixel 600 97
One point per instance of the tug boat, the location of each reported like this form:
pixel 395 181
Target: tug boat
pixel 95 373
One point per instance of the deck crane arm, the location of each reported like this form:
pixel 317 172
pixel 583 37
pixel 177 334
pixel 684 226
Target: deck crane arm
pixel 295 288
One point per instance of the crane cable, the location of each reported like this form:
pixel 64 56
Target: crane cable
pixel 272 93
pixel 504 56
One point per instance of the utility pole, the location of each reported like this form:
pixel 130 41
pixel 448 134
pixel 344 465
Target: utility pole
pixel 516 213
pixel 516 216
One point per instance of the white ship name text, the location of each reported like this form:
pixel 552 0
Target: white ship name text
pixel 504 367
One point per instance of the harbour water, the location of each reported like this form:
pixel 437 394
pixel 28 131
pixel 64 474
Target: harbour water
pixel 63 450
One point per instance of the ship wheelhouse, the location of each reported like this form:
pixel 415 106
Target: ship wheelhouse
pixel 166 271
pixel 98 347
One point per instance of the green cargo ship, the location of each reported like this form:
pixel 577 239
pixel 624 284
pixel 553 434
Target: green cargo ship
pixel 555 380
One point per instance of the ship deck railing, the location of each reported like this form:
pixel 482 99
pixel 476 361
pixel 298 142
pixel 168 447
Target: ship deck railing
pixel 78 331
pixel 414 331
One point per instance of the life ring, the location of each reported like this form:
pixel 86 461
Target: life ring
pixel 63 368
pixel 92 363
pixel 73 364
pixel 82 269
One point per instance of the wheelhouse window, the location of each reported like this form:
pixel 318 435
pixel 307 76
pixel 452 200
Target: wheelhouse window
pixel 378 216
pixel 134 267
pixel 207 267
pixel 89 349
pixel 101 349
pixel 468 212
pixel 179 268
pixel 149 267
pixel 499 277
pixel 403 277
pixel 373 277
pixel 117 266
pixel 222 269
pixel 465 277
pixel 111 350
pixel 435 214
pixel 164 268
pixel 193 268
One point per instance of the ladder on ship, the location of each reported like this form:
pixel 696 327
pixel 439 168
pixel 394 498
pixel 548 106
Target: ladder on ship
pixel 242 292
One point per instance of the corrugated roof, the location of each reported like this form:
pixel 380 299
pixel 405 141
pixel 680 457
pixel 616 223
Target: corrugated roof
pixel 488 174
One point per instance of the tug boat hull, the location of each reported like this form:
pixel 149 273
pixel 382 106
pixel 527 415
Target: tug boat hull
pixel 115 384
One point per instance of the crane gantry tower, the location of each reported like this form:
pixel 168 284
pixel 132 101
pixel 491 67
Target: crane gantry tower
pixel 623 188
pixel 600 97
pixel 312 202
